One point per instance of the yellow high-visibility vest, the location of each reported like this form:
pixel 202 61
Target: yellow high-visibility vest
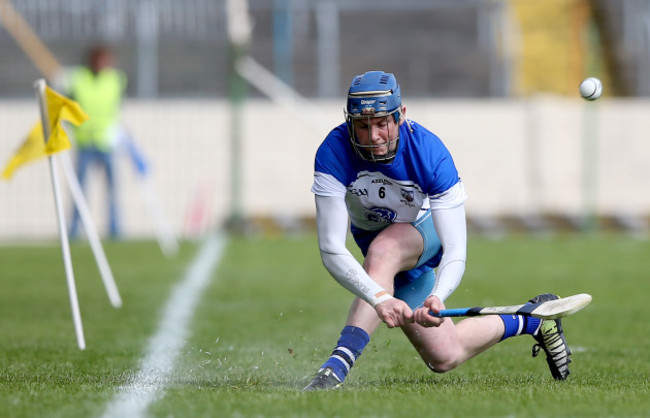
pixel 100 96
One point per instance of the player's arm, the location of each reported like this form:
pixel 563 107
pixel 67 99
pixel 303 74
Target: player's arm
pixel 451 227
pixel 448 214
pixel 332 226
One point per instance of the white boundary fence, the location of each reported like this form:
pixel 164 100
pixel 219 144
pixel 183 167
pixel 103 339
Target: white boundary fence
pixel 517 158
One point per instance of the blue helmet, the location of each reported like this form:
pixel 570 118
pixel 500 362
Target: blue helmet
pixel 372 95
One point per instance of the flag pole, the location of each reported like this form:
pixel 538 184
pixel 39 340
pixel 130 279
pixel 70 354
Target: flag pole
pixel 166 238
pixel 91 232
pixel 39 86
pixel 239 30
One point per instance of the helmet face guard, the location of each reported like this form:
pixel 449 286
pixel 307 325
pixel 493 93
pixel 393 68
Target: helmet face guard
pixel 372 95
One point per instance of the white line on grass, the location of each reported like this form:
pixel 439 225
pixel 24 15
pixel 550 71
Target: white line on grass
pixel 133 398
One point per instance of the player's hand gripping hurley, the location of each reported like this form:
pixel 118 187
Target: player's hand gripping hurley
pixel 552 309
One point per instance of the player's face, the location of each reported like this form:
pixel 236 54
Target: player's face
pixel 379 133
pixel 102 60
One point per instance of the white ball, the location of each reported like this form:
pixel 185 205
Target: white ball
pixel 591 88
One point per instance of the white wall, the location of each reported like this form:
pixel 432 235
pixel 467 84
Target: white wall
pixel 515 156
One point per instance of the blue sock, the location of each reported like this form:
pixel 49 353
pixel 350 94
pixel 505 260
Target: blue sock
pixel 518 324
pixel 348 348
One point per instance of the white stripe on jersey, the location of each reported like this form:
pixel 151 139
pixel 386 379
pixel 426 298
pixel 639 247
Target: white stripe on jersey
pixel 449 199
pixel 327 185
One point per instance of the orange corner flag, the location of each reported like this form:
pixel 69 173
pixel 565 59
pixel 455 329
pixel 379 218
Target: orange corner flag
pixel 59 108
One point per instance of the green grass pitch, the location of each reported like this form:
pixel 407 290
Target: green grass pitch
pixel 271 315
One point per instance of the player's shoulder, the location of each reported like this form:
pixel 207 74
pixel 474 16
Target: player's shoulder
pixel 338 135
pixel 336 144
pixel 429 160
pixel 423 135
pixel 424 145
pixel 79 72
pixel 335 155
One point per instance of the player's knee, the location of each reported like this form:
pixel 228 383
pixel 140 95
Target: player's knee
pixel 380 249
pixel 383 255
pixel 441 366
pixel 442 362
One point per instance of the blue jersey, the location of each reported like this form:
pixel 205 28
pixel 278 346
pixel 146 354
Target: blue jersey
pixel 422 175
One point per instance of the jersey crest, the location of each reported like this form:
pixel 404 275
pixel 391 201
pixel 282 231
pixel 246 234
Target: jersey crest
pixel 381 215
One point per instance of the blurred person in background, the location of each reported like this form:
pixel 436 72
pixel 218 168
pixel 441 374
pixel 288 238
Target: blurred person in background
pixel 98 87
pixel 397 186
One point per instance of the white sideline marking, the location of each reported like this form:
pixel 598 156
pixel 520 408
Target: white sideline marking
pixel 133 398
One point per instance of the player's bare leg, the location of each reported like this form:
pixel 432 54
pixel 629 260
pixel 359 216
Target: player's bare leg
pixel 449 345
pixel 395 249
pixel 442 348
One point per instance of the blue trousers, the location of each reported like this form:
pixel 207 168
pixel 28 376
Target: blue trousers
pixel 87 157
